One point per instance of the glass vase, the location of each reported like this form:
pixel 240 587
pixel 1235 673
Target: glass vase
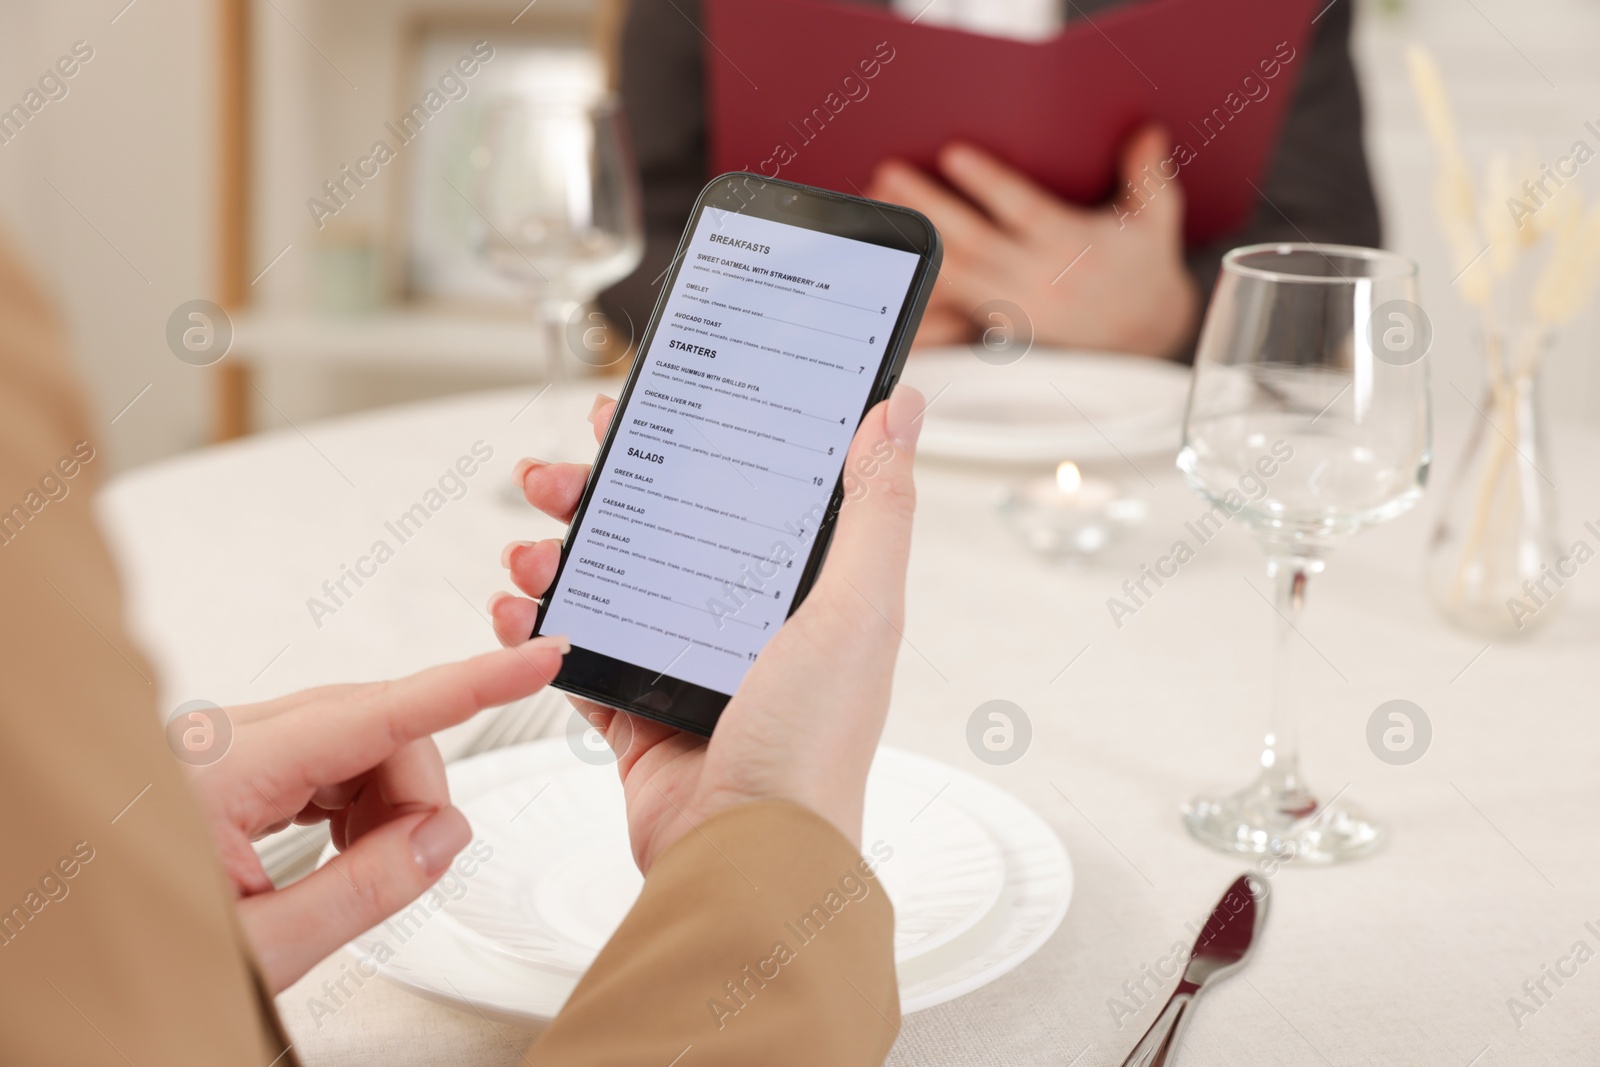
pixel 1496 566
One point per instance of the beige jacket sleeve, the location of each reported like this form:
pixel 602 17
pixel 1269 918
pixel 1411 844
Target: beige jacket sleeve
pixel 118 938
pixel 762 937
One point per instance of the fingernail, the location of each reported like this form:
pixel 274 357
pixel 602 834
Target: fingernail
pixel 437 839
pixel 519 473
pixel 600 401
pixel 494 601
pixel 555 641
pixel 905 415
pixel 505 553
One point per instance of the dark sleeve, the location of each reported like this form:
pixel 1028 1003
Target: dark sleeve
pixel 663 96
pixel 1317 187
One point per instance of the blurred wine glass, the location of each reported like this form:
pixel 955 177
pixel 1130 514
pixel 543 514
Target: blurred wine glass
pixel 1309 419
pixel 559 196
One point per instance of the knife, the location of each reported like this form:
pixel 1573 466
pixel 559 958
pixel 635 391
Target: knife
pixel 1222 948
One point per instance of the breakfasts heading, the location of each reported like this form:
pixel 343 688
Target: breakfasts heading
pixel 748 246
pixel 685 346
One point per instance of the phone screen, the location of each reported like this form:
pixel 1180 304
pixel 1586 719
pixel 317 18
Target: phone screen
pixel 705 509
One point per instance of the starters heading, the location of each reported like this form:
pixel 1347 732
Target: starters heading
pixel 685 346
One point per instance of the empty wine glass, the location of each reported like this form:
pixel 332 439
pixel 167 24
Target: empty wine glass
pixel 1309 418
pixel 559 198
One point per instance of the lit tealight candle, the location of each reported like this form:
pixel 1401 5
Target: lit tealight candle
pixel 1069 513
pixel 1069 479
pixel 1079 492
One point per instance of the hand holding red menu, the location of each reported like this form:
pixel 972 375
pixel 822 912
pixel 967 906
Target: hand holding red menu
pixel 821 92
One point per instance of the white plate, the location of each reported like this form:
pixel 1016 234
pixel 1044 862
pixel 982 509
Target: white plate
pixel 968 946
pixel 1048 406
pixel 563 876
pixel 1038 888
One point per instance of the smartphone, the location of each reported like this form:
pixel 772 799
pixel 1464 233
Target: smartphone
pixel 787 313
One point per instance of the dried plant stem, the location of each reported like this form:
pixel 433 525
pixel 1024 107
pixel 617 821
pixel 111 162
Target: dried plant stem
pixel 1506 378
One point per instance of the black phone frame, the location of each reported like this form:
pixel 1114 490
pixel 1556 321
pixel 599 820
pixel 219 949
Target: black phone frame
pixel 638 690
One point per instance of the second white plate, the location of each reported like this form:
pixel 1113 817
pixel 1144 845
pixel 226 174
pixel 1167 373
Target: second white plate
pixel 1049 406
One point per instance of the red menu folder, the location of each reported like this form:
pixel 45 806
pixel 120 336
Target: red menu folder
pixel 821 92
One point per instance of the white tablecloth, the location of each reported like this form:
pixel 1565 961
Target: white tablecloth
pixel 1408 957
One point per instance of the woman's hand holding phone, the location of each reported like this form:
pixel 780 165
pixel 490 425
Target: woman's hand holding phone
pixel 805 723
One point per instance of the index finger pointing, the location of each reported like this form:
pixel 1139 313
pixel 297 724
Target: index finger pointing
pixel 338 739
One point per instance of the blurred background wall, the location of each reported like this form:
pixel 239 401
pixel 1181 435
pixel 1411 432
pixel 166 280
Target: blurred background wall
pixel 110 193
pixel 113 190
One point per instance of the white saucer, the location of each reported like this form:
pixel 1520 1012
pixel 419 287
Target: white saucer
pixel 978 880
pixel 1048 406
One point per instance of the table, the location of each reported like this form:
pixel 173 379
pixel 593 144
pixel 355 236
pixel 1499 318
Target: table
pixel 1407 957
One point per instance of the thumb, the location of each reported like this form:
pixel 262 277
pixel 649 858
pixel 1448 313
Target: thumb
pixel 1154 196
pixel 294 928
pixel 872 540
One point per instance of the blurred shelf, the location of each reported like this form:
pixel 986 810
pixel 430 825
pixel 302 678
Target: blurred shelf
pixel 413 338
